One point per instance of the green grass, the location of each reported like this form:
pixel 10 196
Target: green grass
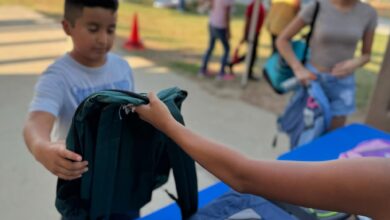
pixel 178 40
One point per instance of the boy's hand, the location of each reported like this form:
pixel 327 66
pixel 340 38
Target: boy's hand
pixel 155 113
pixel 61 162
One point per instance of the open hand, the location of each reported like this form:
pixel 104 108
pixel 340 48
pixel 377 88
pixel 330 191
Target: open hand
pixel 60 161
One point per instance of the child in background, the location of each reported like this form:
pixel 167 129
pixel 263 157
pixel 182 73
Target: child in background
pixel 280 14
pixel 245 39
pixel 219 28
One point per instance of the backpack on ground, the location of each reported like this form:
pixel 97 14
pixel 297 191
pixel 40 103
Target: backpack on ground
pixel 237 206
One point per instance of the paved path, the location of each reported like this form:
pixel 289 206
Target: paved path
pixel 28 43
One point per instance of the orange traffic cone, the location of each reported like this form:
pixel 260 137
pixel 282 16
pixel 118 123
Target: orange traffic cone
pixel 134 42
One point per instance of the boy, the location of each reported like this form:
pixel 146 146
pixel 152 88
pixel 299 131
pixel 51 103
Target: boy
pixel 87 68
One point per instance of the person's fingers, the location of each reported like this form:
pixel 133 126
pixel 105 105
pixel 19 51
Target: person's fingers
pixel 152 97
pixel 312 77
pixel 336 71
pixel 70 173
pixel 72 166
pixel 67 177
pixel 140 108
pixel 70 155
pixel 67 174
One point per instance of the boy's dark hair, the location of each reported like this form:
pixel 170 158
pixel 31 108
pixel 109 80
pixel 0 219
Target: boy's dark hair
pixel 74 8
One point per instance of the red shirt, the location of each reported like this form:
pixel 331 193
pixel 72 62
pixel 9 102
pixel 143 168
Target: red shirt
pixel 248 14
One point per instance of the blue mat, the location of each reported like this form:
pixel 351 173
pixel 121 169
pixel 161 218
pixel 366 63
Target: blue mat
pixel 327 147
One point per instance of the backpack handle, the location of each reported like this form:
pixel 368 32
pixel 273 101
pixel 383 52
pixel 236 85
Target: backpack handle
pixel 308 37
pixel 132 94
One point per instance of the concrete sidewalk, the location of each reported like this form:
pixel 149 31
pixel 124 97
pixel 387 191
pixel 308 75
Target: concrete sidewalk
pixel 29 42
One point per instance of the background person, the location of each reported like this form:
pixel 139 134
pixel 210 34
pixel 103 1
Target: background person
pixel 280 14
pixel 245 39
pixel 219 28
pixel 340 25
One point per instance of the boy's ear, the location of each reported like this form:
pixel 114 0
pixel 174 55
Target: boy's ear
pixel 66 26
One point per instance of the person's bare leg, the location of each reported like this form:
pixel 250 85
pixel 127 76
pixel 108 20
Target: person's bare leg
pixel 337 122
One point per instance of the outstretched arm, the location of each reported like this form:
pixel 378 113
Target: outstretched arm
pixel 52 155
pixel 358 186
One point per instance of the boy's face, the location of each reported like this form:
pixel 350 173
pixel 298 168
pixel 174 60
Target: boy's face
pixel 92 34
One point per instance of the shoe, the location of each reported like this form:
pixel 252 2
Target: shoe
pixel 225 77
pixel 204 74
pixel 231 69
pixel 253 78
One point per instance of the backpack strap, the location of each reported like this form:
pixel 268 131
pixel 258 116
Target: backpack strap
pixel 312 23
pixel 183 166
pixel 132 94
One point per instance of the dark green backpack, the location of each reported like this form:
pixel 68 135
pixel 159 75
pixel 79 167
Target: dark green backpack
pixel 128 158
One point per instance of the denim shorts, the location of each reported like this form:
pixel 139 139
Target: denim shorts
pixel 340 91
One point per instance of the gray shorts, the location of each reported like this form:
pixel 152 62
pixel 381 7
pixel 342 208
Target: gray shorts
pixel 340 91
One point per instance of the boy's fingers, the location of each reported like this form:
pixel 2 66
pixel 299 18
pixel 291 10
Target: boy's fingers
pixel 73 166
pixel 70 155
pixel 67 177
pixel 69 173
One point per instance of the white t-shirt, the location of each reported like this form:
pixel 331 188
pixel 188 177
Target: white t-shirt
pixel 218 13
pixel 66 83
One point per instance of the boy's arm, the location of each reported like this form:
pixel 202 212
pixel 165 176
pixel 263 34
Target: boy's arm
pixel 53 155
pixel 355 186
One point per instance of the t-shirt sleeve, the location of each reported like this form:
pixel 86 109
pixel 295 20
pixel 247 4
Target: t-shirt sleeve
pixel 130 72
pixel 48 94
pixel 373 21
pixel 307 12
